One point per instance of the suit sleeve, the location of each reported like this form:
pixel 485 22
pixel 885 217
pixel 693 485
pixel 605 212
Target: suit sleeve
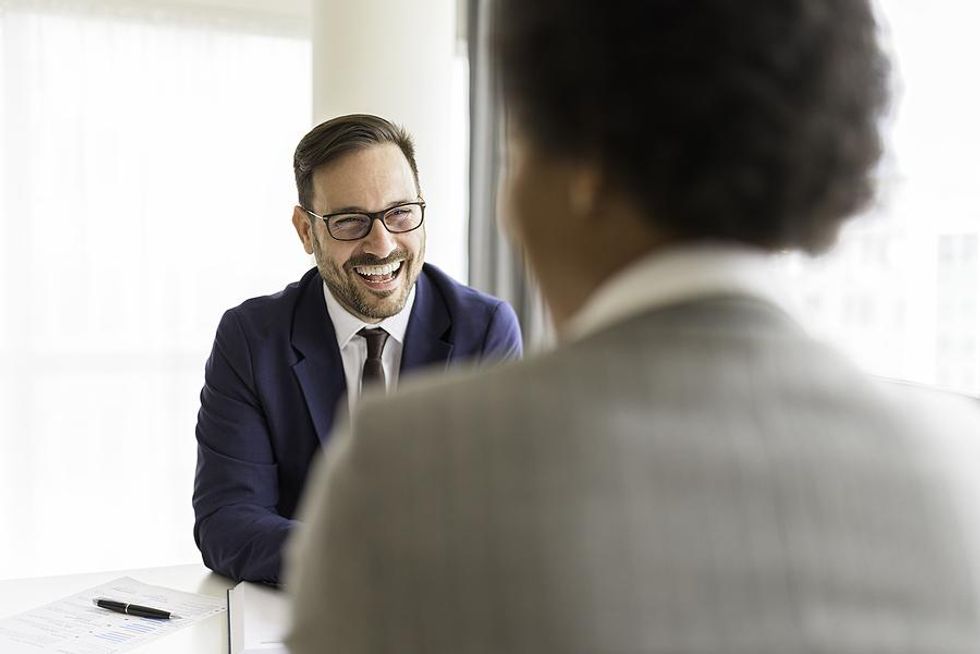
pixel 503 337
pixel 236 486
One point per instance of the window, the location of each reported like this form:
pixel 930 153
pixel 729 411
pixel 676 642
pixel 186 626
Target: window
pixel 145 154
pixel 900 292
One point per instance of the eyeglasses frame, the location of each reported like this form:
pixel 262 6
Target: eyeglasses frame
pixel 377 215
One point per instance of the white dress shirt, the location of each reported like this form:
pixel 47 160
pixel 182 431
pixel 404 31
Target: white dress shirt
pixel 353 348
pixel 677 275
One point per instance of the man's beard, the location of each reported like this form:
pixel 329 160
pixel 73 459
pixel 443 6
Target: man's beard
pixel 362 301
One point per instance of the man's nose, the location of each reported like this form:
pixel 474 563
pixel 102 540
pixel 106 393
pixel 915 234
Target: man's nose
pixel 379 241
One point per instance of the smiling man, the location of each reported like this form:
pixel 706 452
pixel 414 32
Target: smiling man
pixel 370 311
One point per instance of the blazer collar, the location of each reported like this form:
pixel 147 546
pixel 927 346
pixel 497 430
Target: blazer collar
pixel 319 369
pixel 429 328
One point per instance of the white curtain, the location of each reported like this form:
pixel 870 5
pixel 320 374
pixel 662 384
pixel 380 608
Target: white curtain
pixel 145 186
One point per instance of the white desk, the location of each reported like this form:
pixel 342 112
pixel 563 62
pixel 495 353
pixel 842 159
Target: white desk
pixel 207 637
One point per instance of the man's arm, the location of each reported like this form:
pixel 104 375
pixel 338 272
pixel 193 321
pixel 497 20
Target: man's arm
pixel 236 486
pixel 503 338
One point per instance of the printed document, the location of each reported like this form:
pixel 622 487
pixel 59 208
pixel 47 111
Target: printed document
pixel 74 625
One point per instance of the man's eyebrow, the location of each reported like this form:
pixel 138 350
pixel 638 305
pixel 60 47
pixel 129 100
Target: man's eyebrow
pixel 355 209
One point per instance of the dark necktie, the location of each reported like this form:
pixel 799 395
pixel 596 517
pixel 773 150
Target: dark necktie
pixel 374 371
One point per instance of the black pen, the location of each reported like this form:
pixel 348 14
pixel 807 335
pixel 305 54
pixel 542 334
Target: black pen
pixel 133 609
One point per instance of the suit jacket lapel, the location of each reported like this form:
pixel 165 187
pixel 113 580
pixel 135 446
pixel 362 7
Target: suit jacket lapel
pixel 320 369
pixel 427 337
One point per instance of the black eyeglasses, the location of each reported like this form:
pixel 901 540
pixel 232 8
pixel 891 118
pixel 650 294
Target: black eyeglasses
pixel 354 226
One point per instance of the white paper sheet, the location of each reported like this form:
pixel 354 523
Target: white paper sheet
pixel 74 625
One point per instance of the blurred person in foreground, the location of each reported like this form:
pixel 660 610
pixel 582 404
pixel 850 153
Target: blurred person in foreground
pixel 688 471
pixel 369 312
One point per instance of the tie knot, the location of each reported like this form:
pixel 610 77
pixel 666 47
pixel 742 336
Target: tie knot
pixel 376 339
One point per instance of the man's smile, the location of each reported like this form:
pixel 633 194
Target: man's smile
pixel 384 277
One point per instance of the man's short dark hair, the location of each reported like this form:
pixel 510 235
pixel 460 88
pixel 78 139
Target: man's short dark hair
pixel 336 137
pixel 748 121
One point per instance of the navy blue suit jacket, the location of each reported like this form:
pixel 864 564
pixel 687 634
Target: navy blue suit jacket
pixel 273 387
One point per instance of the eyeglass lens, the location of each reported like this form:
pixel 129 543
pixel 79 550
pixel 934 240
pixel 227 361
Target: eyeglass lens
pixel 352 226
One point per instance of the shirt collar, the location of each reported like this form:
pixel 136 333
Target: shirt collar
pixel 680 274
pixel 346 325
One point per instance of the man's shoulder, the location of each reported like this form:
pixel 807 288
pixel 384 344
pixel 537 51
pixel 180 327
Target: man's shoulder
pixel 951 419
pixel 479 321
pixel 566 412
pixel 458 296
pixel 670 378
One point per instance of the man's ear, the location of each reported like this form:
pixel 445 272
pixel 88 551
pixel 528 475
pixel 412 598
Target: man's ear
pixel 304 228
pixel 585 189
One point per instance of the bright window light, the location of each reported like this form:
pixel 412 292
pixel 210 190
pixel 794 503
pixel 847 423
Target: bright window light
pixel 145 186
pixel 900 292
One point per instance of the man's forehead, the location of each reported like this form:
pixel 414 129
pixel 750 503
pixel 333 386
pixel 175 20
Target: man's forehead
pixel 369 178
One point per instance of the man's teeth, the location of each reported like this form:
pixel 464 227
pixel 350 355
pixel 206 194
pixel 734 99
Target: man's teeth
pixel 373 271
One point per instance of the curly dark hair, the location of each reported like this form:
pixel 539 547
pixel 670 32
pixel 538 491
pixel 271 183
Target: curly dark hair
pixel 749 121
pixel 332 139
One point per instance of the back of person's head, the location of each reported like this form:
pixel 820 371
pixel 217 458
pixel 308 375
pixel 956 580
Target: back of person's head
pixel 334 138
pixel 753 122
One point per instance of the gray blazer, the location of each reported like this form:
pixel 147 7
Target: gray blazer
pixel 702 478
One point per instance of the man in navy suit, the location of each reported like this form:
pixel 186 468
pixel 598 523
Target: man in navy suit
pixel 281 364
